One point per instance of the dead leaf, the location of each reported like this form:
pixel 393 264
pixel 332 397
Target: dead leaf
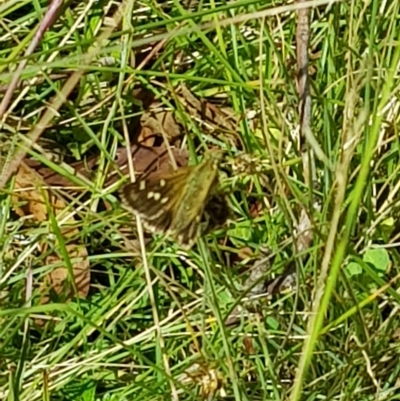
pixel 248 345
pixel 29 199
pixel 161 123
pixel 221 118
pixel 245 252
pixel 52 178
pixel 181 157
pixel 57 280
pixel 143 95
pixel 146 137
pixel 255 209
pixel 145 160
pixel 304 232
pixel 150 160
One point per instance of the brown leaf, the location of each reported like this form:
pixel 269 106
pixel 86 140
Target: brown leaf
pixel 57 279
pixel 149 160
pixel 161 123
pixel 255 209
pixel 248 345
pixel 146 137
pixel 181 158
pixel 52 178
pixel 245 252
pixel 145 160
pixel 222 118
pixel 143 95
pixel 27 197
pixel 30 199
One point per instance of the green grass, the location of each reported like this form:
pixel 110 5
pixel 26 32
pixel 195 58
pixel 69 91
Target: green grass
pixel 153 328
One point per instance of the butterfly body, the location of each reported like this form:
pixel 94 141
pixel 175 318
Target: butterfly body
pixel 173 203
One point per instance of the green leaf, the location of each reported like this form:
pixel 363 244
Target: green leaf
pixel 378 258
pixel 241 231
pixel 353 269
pixel 272 323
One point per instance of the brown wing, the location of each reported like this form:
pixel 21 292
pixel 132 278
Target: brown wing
pixel 156 198
pixel 173 203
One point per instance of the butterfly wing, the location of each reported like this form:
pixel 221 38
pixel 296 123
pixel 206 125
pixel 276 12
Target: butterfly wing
pixel 190 210
pixel 156 198
pixel 173 203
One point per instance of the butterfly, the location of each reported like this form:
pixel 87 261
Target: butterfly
pixel 173 203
